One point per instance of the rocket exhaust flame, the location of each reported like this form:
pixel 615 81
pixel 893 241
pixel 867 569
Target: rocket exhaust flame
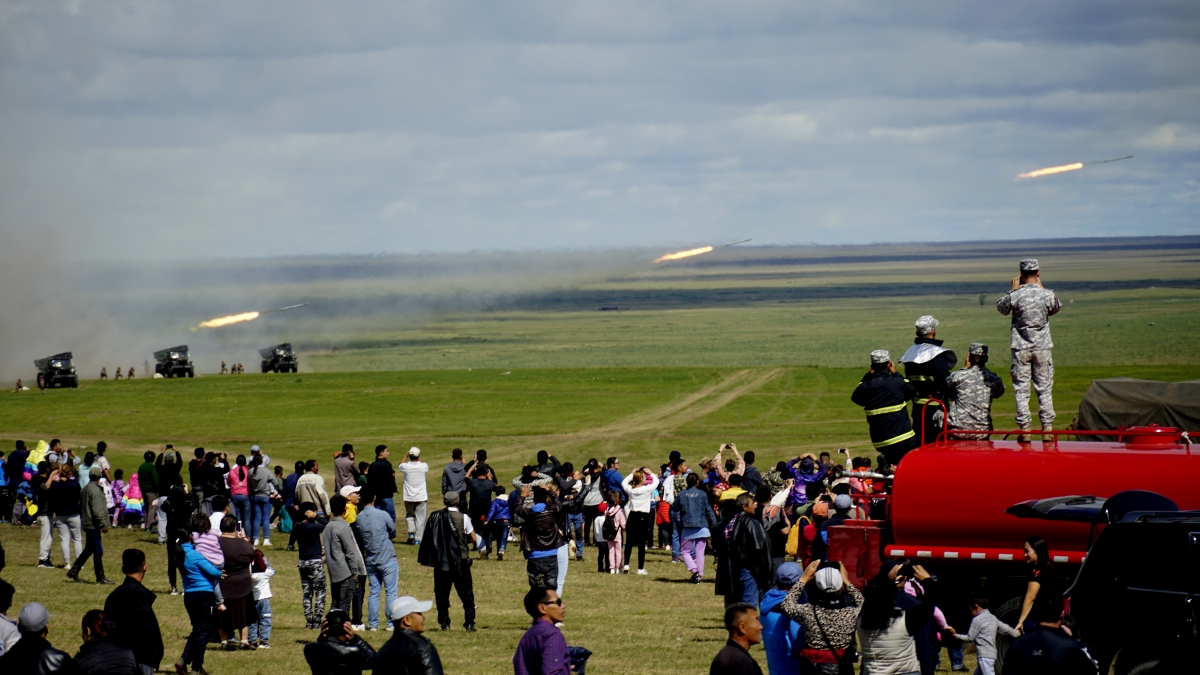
pixel 1049 171
pixel 685 254
pixel 226 320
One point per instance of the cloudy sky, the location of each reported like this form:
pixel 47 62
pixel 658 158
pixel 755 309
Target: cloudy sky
pixel 193 129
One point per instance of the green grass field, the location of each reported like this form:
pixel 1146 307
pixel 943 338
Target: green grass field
pixel 760 347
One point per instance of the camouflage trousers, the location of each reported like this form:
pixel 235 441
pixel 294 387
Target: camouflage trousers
pixel 1035 365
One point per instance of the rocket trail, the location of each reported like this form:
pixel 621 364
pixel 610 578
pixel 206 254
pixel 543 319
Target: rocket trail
pixel 1051 170
pixel 1106 161
pixel 736 243
pixel 272 311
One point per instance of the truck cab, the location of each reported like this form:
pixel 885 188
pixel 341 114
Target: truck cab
pixel 174 362
pixel 279 359
pixel 57 371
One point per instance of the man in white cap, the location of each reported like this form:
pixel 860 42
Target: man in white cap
pixel 883 393
pixel 1031 307
pixel 408 651
pixel 416 498
pixel 926 365
pixel 33 653
pixel 974 387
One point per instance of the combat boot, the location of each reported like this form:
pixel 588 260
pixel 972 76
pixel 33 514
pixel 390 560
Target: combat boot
pixel 100 578
pixel 73 574
pixel 1024 436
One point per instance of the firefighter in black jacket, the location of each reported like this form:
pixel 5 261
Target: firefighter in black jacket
pixel 927 364
pixel 883 393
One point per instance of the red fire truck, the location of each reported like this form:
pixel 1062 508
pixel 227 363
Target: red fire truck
pixel 948 507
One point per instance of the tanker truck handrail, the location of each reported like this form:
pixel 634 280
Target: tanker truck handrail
pixel 1179 436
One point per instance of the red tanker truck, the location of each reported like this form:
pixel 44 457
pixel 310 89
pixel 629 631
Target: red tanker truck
pixel 948 508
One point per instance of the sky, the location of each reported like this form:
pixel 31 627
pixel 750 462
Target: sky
pixel 191 130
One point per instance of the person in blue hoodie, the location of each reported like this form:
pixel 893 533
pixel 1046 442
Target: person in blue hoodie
pixel 783 637
pixel 499 519
pixel 199 579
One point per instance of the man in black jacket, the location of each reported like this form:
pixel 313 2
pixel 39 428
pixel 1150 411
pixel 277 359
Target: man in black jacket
pixel 883 393
pixel 131 608
pixel 339 651
pixel 446 547
pixel 408 652
pixel 1046 648
pixel 540 536
pixel 746 570
pixel 33 654
pixel 926 365
pixel 381 478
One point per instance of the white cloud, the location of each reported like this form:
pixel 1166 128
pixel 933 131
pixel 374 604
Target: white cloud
pixel 1172 136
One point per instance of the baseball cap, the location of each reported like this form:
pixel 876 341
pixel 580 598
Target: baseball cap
pixel 255 448
pixel 451 498
pixel 414 451
pixel 788 574
pixel 829 579
pixel 842 502
pixel 407 604
pixel 348 490
pixel 821 509
pixel 34 617
pixel 95 472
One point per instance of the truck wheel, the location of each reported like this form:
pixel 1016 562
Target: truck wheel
pixel 1133 661
pixel 1008 612
pixel 265 367
pixel 74 384
pixel 293 369
pixel 191 373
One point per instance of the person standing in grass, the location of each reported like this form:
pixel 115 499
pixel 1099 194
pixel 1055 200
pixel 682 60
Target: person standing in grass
pixel 237 586
pixel 416 498
pixel 408 651
pixel 311 565
pixel 377 529
pixel 94 514
pixel 310 488
pixel 200 579
pixel 147 475
pixel 984 627
pixel 697 520
pixel 342 555
pixel 499 519
pixel 260 627
pixel 540 536
pixel 65 503
pixel 260 501
pixel 381 478
pixel 339 651
pixel 446 547
pixel 638 528
pixel 343 468
pixel 131 607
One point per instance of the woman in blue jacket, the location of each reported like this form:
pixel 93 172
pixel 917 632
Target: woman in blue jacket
pixel 696 520
pixel 199 578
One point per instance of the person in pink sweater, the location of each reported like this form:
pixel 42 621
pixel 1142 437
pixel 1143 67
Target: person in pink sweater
pixel 208 544
pixel 615 553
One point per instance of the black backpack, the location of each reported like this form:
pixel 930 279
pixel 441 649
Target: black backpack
pixel 609 528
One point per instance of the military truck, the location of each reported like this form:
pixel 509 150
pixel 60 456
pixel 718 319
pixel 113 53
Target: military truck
pixel 279 359
pixel 57 371
pixel 174 362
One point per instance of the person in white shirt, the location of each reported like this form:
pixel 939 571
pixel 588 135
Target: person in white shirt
pixel 416 498
pixel 9 634
pixel 638 512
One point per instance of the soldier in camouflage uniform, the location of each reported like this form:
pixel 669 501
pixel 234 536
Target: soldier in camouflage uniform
pixel 1031 307
pixel 974 389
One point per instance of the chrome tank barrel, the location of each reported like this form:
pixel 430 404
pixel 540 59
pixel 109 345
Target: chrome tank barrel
pixel 952 494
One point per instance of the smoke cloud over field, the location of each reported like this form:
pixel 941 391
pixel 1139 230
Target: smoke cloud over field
pixel 116 314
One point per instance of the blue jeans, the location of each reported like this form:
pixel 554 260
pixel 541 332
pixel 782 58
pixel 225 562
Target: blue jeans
pixel 389 576
pixel 750 592
pixel 500 534
pixel 260 631
pixel 676 533
pixel 260 517
pixel 241 508
pixel 389 505
pixel 576 522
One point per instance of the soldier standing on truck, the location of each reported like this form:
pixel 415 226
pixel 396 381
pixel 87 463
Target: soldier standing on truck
pixel 883 393
pixel 974 388
pixel 1031 307
pixel 926 365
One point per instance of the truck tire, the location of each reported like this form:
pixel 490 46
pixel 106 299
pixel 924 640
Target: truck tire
pixel 294 368
pixel 1134 661
pixel 1008 612
pixel 265 367
pixel 74 384
pixel 191 372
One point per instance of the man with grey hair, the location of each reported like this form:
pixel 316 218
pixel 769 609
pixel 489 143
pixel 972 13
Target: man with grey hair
pixel 927 364
pixel 33 653
pixel 446 547
pixel 883 393
pixel 974 388
pixel 1031 307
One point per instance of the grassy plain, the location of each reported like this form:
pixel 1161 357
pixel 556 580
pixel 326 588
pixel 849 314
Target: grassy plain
pixel 759 347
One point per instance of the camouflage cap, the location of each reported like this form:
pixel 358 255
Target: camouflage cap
pixel 880 356
pixel 926 325
pixel 978 349
pixel 1029 265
